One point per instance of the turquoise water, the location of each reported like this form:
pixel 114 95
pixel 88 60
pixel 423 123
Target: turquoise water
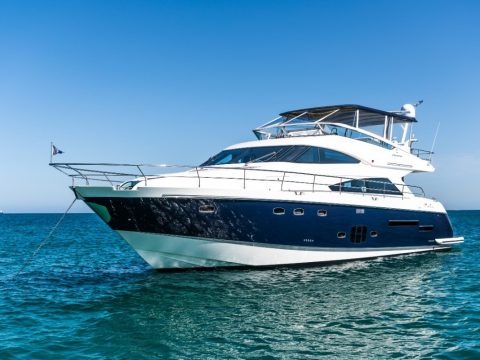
pixel 88 295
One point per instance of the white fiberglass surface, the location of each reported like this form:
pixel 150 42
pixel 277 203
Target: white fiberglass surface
pixel 166 251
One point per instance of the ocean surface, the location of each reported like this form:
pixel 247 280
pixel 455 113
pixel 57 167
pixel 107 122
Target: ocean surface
pixel 87 294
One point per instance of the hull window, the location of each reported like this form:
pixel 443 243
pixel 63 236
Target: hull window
pixel 298 212
pixel 279 211
pixel 206 209
pixel 341 235
pixel 373 234
pixel 358 234
pixel 322 213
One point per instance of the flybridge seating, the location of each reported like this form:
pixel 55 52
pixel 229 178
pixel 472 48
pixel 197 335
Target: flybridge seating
pixel 382 128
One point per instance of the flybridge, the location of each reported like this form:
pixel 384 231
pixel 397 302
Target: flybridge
pixel 383 128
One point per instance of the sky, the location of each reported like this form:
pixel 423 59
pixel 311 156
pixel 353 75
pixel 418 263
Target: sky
pixel 177 81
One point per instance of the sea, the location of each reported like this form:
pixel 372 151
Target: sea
pixel 87 295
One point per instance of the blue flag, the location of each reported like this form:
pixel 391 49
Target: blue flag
pixel 56 151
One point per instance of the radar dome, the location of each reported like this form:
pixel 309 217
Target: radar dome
pixel 409 110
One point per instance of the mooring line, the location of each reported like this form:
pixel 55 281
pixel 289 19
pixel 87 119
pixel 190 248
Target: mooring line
pixel 42 243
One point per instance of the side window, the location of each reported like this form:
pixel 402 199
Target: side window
pixel 225 159
pixel 295 153
pixel 381 185
pixel 292 153
pixel 316 155
pixel 371 186
pixel 309 156
pixel 335 157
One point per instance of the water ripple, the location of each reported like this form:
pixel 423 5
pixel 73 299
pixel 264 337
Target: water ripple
pixel 88 295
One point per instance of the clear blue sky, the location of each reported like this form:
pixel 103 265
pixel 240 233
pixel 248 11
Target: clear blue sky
pixel 176 81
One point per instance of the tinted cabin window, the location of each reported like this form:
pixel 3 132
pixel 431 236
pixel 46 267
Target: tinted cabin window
pixel 371 186
pixel 296 153
pixel 293 153
pixel 315 155
pixel 239 156
pixel 311 155
pixel 381 185
pixel 335 157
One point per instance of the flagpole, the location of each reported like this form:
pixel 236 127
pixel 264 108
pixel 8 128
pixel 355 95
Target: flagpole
pixel 51 152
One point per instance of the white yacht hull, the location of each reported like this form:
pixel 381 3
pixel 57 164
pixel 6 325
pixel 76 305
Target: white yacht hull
pixel 178 252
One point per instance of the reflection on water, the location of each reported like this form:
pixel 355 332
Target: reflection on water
pixel 89 294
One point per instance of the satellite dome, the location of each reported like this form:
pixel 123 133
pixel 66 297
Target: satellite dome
pixel 409 110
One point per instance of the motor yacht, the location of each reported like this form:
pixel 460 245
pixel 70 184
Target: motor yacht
pixel 318 185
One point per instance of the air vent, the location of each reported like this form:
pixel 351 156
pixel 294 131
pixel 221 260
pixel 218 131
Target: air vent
pixel 425 228
pixel 373 234
pixel 341 235
pixel 358 234
pixel 279 211
pixel 403 222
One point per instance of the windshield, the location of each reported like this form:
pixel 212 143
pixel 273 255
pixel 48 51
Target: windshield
pixel 296 153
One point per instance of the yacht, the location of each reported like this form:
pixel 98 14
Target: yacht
pixel 318 185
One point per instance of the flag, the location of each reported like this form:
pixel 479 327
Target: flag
pixel 56 151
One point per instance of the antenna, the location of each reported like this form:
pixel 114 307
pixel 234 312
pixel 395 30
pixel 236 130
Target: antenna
pixel 412 135
pixel 434 140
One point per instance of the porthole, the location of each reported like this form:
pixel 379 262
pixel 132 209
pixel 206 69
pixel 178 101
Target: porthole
pixel 341 235
pixel 206 209
pixel 279 211
pixel 373 234
pixel 321 212
pixel 298 212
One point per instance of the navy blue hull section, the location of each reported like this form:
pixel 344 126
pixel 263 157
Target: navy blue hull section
pixel 254 221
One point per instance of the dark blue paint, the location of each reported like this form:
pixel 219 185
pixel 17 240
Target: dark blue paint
pixel 254 221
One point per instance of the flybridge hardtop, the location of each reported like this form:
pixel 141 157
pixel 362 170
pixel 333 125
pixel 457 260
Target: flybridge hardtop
pixel 344 114
pixel 384 128
pixel 320 185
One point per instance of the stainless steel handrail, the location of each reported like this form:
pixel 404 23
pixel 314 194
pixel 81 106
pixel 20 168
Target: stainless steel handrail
pixel 84 171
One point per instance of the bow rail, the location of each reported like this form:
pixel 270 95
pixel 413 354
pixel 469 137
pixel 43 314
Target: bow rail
pixel 121 176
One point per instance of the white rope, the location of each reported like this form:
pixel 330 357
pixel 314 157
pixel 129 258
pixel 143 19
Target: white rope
pixel 30 258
